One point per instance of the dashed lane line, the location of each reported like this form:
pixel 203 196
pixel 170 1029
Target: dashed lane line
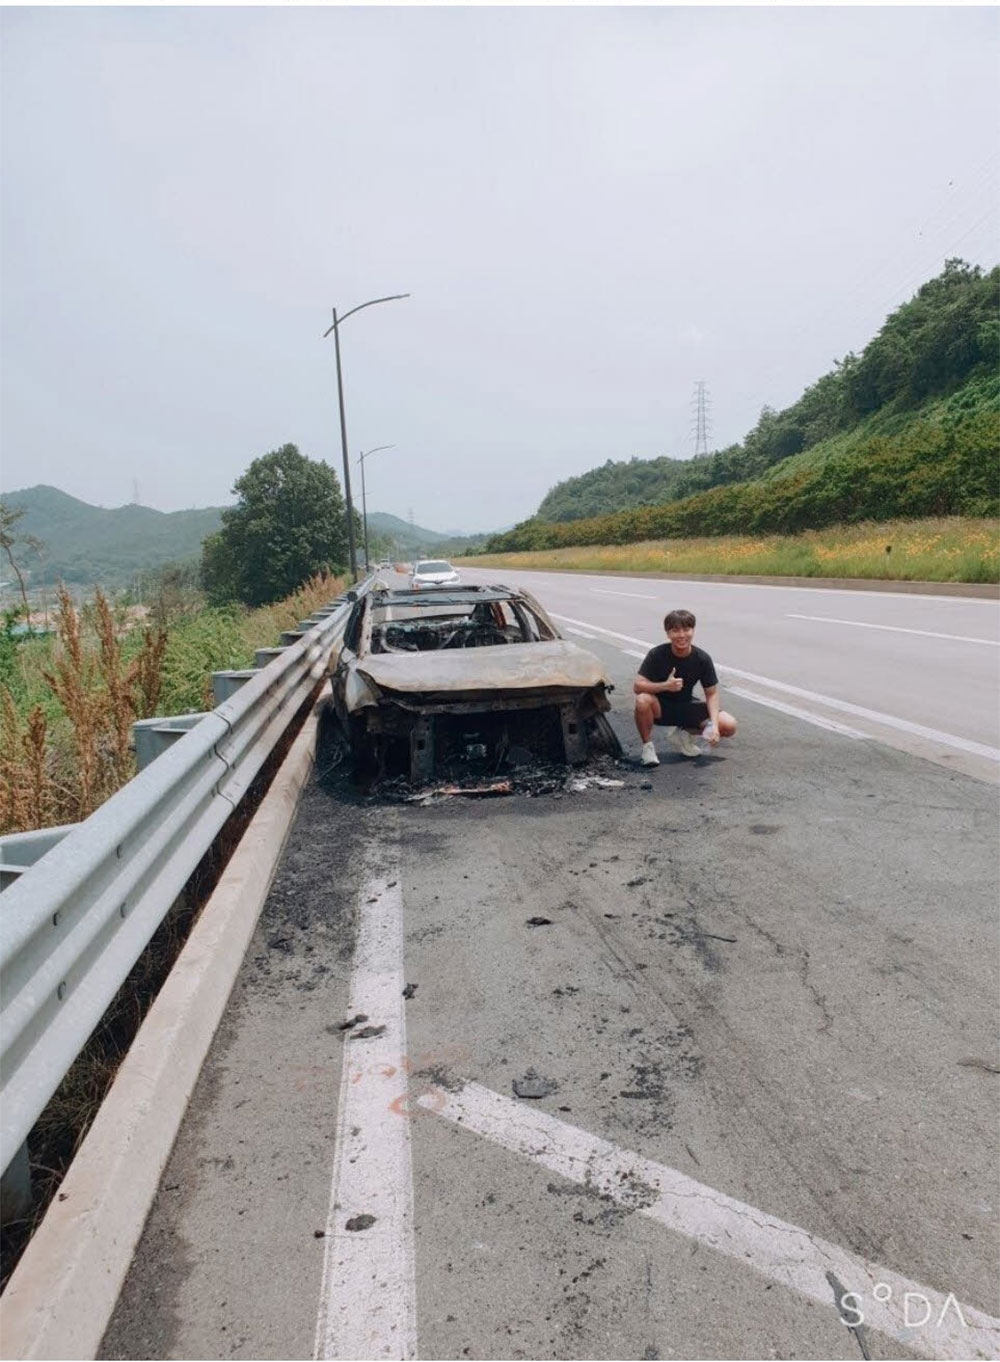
pixel 636 595
pixel 368 1295
pixel 898 629
pixel 599 629
pixel 793 1257
pixel 977 749
pixel 830 724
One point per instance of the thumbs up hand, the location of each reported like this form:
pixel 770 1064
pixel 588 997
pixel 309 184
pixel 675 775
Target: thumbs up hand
pixel 673 682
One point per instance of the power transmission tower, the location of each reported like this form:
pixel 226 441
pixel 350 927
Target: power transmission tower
pixel 135 491
pixel 702 425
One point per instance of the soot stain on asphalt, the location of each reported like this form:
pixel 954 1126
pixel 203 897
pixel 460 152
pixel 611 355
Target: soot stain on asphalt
pixel 688 931
pixel 439 1076
pixel 311 908
pixel 608 1211
pixel 646 1101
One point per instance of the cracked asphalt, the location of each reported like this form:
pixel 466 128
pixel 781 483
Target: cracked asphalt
pixel 773 969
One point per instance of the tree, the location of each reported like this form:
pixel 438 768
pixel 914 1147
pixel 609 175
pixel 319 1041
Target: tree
pixel 289 523
pixel 10 537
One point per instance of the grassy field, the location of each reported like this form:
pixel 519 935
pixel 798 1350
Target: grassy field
pixel 952 550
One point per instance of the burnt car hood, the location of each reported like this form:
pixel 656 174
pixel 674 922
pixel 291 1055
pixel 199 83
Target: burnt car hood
pixel 518 666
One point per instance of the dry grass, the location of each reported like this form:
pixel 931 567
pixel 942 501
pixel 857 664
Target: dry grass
pixel 66 725
pixel 951 550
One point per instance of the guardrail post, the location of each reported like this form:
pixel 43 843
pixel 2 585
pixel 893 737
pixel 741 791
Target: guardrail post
pixel 226 684
pixel 153 736
pixel 265 655
pixel 20 850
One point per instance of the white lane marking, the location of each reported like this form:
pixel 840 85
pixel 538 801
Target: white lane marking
pixel 636 595
pixel 781 1251
pixel 580 634
pixel 830 724
pixel 368 1298
pixel 876 716
pixel 597 628
pixel 631 652
pixel 898 629
pixel 859 711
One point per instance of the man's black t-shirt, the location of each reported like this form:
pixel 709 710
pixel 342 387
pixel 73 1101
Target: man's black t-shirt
pixel 660 661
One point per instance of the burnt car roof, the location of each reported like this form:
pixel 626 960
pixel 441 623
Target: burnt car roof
pixel 447 595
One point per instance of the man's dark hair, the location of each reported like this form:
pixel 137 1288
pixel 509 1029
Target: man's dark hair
pixel 679 619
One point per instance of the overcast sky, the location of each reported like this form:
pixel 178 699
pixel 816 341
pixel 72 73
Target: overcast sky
pixel 592 208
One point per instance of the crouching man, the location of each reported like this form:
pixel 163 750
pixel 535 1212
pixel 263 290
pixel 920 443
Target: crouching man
pixel 667 676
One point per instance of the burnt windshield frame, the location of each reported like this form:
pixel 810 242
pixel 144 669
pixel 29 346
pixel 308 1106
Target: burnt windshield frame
pixel 541 632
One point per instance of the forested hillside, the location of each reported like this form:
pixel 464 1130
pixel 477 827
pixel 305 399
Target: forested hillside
pixel 84 544
pixel 924 389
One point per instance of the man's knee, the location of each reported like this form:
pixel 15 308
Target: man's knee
pixel 647 704
pixel 727 725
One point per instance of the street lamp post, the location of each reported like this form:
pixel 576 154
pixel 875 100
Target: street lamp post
pixel 364 501
pixel 335 328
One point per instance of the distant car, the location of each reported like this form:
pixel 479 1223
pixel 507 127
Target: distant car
pixel 473 677
pixel 433 572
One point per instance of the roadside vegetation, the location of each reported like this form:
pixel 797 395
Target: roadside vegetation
pixel 909 429
pixel 68 698
pixel 947 550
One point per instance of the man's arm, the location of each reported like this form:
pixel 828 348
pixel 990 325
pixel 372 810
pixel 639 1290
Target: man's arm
pixel 643 686
pixel 712 701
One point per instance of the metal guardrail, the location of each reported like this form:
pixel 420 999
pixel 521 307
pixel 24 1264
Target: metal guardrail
pixel 73 923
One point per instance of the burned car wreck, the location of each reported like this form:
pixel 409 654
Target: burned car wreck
pixel 465 677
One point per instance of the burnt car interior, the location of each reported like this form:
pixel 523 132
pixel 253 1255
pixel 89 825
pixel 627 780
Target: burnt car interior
pixel 471 617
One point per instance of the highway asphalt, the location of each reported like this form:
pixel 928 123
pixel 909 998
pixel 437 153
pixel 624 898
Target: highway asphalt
pixel 758 1014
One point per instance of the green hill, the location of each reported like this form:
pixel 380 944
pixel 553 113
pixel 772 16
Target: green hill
pixel 84 545
pixel 909 428
pixel 395 537
pixel 407 538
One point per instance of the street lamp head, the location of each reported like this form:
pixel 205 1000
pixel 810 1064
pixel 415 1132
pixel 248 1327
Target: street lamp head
pixel 365 453
pixel 392 298
pixel 349 507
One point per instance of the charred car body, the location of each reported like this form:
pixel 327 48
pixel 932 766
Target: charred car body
pixel 478 676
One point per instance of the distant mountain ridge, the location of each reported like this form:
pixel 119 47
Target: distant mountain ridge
pixel 407 536
pixel 84 544
pixel 414 540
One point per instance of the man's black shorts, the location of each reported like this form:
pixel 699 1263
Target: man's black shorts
pixel 688 714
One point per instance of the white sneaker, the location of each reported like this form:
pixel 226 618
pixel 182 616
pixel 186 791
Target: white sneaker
pixel 686 743
pixel 648 755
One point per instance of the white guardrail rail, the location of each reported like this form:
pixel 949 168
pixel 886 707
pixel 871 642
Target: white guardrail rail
pixel 77 915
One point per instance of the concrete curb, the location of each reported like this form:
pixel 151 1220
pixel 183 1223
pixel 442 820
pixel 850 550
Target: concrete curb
pixel 64 1291
pixel 985 590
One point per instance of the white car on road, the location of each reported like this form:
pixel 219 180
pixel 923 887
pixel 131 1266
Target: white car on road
pixel 433 572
